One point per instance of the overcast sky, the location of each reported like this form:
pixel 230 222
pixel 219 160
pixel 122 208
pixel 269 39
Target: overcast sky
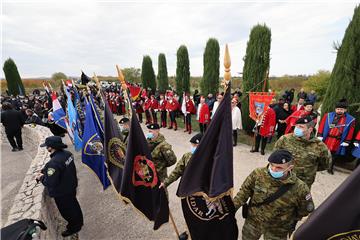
pixel 44 37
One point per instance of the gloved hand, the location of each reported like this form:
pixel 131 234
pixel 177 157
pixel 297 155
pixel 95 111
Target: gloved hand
pixel 320 138
pixel 344 144
pixel 356 144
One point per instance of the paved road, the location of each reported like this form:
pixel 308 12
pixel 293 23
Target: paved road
pixel 107 217
pixel 14 166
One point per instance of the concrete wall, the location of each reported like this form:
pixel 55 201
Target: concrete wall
pixel 32 200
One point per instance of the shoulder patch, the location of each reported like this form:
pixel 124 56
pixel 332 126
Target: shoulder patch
pixel 50 171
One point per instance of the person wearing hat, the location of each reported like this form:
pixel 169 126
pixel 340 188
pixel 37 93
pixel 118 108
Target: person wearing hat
pixel 162 109
pixel 161 152
pixel 336 130
pixel 59 178
pixel 154 105
pixel 310 153
pixel 172 105
pixel 203 114
pixel 13 122
pixel 307 111
pixel 124 125
pixel 181 164
pixel 264 129
pixel 276 198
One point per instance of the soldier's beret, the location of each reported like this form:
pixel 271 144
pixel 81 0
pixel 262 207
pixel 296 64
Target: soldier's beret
pixel 304 120
pixel 308 103
pixel 124 120
pixel 153 126
pixel 280 156
pixel 197 138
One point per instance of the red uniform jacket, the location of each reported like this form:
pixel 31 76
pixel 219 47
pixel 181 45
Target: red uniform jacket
pixel 147 104
pixel 162 105
pixel 204 113
pixel 333 140
pixel 190 108
pixel 357 138
pixel 294 108
pixel 172 106
pixel 291 120
pixel 154 104
pixel 268 124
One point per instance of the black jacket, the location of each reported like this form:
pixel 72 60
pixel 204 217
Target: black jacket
pixel 60 174
pixel 12 120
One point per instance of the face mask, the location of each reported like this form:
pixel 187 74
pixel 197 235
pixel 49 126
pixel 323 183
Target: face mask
pixel 193 149
pixel 298 132
pixel 149 135
pixel 276 175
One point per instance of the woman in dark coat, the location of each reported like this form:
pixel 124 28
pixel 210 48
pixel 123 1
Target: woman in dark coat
pixel 283 113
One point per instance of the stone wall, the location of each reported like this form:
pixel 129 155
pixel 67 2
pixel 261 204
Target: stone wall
pixel 32 201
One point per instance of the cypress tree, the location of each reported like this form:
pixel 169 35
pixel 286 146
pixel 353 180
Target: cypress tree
pixel 182 70
pixel 147 74
pixel 12 76
pixel 210 79
pixel 345 76
pixel 163 80
pixel 256 67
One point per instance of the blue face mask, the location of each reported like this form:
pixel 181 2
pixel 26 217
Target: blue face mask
pixel 193 149
pixel 298 132
pixel 276 174
pixel 149 135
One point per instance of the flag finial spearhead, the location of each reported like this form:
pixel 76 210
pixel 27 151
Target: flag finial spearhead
pixel 227 64
pixel 121 78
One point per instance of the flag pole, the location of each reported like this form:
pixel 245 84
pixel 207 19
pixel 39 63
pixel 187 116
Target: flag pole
pixel 173 223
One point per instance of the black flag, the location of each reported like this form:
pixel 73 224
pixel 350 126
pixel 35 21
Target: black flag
pixel 114 148
pixel 84 78
pixel 208 179
pixel 338 217
pixel 140 183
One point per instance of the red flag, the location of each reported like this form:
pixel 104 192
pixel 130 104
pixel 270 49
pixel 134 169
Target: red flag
pixel 259 103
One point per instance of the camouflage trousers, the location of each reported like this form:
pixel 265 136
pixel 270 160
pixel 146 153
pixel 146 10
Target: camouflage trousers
pixel 253 231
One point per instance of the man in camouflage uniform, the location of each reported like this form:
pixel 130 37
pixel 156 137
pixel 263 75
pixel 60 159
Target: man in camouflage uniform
pixel 310 154
pixel 124 125
pixel 181 164
pixel 276 219
pixel 162 154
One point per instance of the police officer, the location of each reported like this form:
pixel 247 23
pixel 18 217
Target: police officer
pixel 161 152
pixel 124 124
pixel 59 178
pixel 310 154
pixel 13 122
pixel 277 218
pixel 181 164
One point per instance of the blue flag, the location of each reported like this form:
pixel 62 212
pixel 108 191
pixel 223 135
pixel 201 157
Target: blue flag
pixel 93 148
pixel 73 122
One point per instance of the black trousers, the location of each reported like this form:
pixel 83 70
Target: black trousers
pixel 188 119
pixel 235 134
pixel 163 117
pixel 172 116
pixel 17 135
pixel 148 116
pixel 263 141
pixel 154 117
pixel 140 117
pixel 70 210
pixel 202 127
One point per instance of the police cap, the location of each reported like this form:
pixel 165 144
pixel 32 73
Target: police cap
pixel 197 138
pixel 153 126
pixel 280 156
pixel 54 142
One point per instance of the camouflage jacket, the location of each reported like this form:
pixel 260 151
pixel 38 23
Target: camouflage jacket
pixel 309 156
pixel 162 155
pixel 282 212
pixel 179 169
